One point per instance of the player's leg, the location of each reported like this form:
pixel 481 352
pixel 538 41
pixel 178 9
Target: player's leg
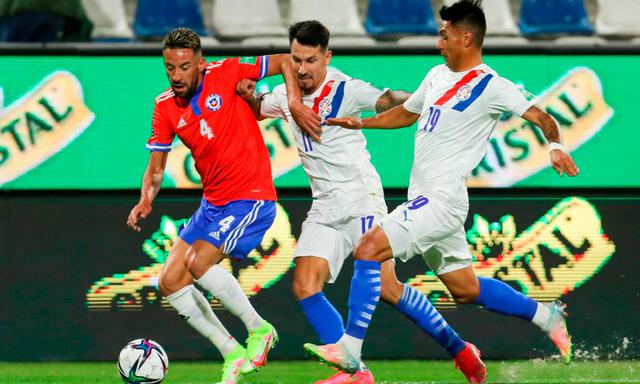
pixel 235 230
pixel 364 295
pixel 206 233
pixel 213 230
pixel 465 287
pixel 500 297
pixel 204 259
pixel 417 307
pixel 330 245
pixel 392 237
pixel 176 284
pixel 318 258
pixel 201 255
pixel 309 277
pixel 310 274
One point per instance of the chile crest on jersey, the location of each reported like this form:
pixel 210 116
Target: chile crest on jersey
pixel 213 102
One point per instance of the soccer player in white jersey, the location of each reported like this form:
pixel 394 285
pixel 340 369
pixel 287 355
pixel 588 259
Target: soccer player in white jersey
pixel 347 197
pixel 456 106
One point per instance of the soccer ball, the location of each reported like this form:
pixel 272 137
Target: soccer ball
pixel 143 361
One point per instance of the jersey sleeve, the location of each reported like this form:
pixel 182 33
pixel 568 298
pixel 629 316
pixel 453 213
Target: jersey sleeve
pixel 509 97
pixel 271 104
pixel 415 103
pixel 161 133
pixel 365 95
pixel 248 67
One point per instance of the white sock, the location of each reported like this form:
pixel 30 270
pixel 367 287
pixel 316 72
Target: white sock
pixel 541 318
pixel 196 310
pixel 353 345
pixel 225 288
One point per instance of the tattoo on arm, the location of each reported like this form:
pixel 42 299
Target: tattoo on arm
pixel 390 99
pixel 549 126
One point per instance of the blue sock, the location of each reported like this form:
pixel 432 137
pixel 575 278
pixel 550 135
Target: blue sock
pixel 417 307
pixel 324 318
pixel 363 297
pixel 499 297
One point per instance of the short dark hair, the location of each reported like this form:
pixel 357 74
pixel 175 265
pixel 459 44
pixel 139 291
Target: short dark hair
pixel 181 38
pixel 469 13
pixel 310 32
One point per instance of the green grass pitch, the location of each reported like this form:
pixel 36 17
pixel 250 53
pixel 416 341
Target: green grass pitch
pixel 298 372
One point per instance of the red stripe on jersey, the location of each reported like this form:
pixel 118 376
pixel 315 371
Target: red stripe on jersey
pixel 324 93
pixel 451 92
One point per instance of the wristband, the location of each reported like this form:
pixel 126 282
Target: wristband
pixel 555 145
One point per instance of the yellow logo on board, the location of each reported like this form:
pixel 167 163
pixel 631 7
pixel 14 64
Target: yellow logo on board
pixel 518 149
pixel 554 256
pixel 41 123
pixel 135 289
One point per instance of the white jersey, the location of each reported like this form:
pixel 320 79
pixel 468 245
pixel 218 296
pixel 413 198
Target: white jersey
pixel 458 111
pixel 339 168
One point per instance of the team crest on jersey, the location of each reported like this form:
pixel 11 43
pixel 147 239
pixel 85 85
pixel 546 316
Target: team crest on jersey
pixel 464 93
pixel 324 108
pixel 213 102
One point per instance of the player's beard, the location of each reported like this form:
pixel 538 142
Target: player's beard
pixel 188 90
pixel 306 84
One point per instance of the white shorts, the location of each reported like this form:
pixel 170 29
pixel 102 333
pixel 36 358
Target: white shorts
pixel 429 227
pixel 334 242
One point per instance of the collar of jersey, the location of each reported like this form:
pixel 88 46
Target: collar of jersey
pixel 196 96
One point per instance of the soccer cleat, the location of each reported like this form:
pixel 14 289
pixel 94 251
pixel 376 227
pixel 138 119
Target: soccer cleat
pixel 469 363
pixel 556 329
pixel 231 373
pixel 334 355
pixel 360 377
pixel 259 342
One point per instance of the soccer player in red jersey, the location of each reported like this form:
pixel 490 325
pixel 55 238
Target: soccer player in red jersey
pixel 238 206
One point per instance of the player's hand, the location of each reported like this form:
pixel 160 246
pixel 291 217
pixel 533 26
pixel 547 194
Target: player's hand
pixel 346 122
pixel 308 121
pixel 245 88
pixel 563 163
pixel 140 211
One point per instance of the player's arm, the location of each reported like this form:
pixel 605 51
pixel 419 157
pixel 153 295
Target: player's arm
pixel 246 88
pixel 560 160
pixel 304 116
pixel 390 99
pixel 151 182
pixel 396 117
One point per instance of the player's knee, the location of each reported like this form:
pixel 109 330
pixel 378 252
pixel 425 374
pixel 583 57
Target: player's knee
pixel 468 295
pixel 306 287
pixel 197 266
pixel 303 289
pixel 167 286
pixel 365 250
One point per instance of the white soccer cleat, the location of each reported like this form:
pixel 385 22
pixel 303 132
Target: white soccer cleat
pixel 334 355
pixel 556 329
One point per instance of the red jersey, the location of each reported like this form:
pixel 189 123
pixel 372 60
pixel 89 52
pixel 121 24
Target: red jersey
pixel 221 131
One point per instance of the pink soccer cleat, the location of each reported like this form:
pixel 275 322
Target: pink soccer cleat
pixel 469 363
pixel 360 377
